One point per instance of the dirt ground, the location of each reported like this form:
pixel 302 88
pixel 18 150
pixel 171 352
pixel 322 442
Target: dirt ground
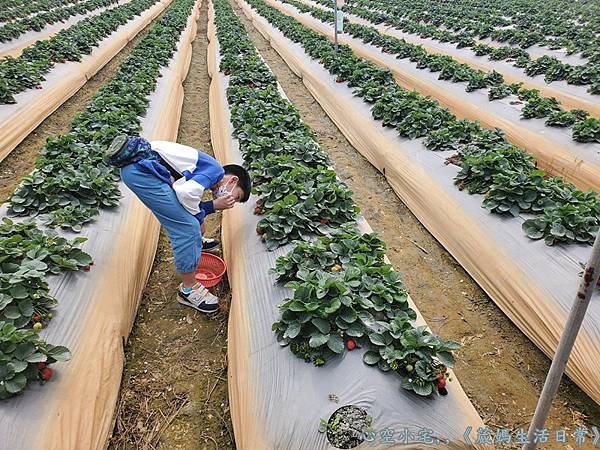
pixel 174 389
pixel 21 160
pixel 499 368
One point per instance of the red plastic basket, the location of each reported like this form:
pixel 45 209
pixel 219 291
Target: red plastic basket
pixel 211 269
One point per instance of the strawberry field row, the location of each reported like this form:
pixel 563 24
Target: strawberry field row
pixel 9 5
pixel 13 30
pixel 585 128
pixel 343 291
pixel 19 11
pixel 68 187
pixel 71 44
pixel 405 18
pixel 506 174
pixel 554 24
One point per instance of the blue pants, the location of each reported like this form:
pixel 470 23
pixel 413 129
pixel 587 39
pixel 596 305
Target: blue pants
pixel 182 228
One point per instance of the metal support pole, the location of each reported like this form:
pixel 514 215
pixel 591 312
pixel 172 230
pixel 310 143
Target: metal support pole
pixel 335 23
pixel 559 362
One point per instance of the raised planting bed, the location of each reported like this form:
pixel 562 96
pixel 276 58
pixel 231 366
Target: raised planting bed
pixel 344 308
pixel 96 310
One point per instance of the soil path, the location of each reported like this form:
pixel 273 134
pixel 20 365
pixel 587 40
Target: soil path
pixel 174 389
pixel 499 368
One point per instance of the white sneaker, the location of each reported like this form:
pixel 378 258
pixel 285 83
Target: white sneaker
pixel 209 244
pixel 199 298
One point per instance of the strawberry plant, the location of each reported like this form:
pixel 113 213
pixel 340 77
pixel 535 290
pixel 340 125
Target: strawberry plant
pixel 24 358
pixel 25 241
pixel 587 130
pixel 518 192
pixel 454 136
pixel 539 107
pixel 542 65
pixel 305 209
pixel 565 223
pixel 499 91
pixel 28 255
pixel 418 356
pixel 412 115
pixel 24 293
pixel 480 165
pixel 582 75
pixel 534 193
pixel 332 252
pixel 266 169
pixel 566 118
pixel 318 186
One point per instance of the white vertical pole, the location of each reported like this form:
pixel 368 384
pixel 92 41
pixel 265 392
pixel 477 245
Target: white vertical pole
pixel 567 340
pixel 335 22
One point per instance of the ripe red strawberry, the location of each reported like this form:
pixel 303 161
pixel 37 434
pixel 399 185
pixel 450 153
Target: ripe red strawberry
pixel 36 318
pixel 258 210
pixel 87 267
pixel 324 221
pixel 46 373
pixel 350 344
pixel 441 383
pixel 41 365
pixel 339 80
pixel 444 369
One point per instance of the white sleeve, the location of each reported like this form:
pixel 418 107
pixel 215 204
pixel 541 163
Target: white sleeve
pixel 189 193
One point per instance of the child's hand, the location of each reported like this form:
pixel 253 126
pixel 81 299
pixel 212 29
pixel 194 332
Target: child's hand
pixel 225 202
